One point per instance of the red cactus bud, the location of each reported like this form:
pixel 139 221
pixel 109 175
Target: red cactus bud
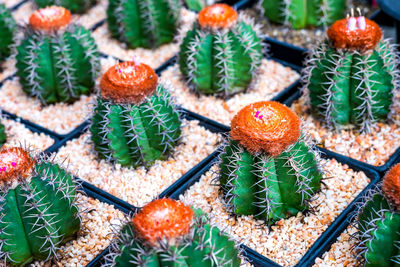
pixel 49 18
pixel 217 16
pixel 391 185
pixel 14 163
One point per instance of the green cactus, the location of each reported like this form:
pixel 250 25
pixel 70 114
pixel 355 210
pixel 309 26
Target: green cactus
pixel 303 13
pixel 352 87
pixel 270 188
pixel 3 135
pixel 221 62
pixel 7 31
pixel 144 23
pixel 75 6
pixel 197 5
pixel 58 67
pixel 134 135
pixel 37 215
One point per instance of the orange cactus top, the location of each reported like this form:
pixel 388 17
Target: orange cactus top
pixel 163 219
pixel 217 16
pixel 15 163
pixel 391 185
pixel 355 33
pixel 266 126
pixel 128 82
pixel 50 18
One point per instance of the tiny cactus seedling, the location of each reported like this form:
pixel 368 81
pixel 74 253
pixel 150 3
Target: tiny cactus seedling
pixel 143 23
pixel 3 135
pixel 135 121
pixel 168 233
pixel 75 6
pixel 351 77
pixel 37 206
pixel 56 61
pixel 299 14
pixel 267 169
pixel 7 31
pixel 222 53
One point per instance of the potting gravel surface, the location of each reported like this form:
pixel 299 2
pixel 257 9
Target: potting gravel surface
pixel 7 68
pixel 273 78
pixel 138 186
pixel 289 239
pixel 10 3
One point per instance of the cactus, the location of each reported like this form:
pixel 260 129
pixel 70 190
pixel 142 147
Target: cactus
pixel 3 136
pixel 299 14
pixel 143 23
pixel 7 31
pixel 268 169
pixel 198 5
pixel 75 6
pixel 168 233
pixel 222 53
pixel 379 224
pixel 135 121
pixel 38 210
pixel 351 77
pixel 56 62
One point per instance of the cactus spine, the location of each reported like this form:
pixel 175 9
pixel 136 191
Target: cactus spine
pixel 57 66
pixel 200 245
pixel 223 58
pixel 7 31
pixel 37 206
pixel 299 14
pixel 144 23
pixel 75 6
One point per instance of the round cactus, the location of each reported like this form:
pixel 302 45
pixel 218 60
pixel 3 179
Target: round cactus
pixel 37 206
pixel 3 136
pixel 299 14
pixel 352 76
pixel 168 233
pixel 56 62
pixel 143 23
pixel 75 6
pixel 8 28
pixel 222 53
pixel 267 169
pixel 135 121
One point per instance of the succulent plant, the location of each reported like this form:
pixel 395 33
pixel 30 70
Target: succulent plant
pixel 3 135
pixel 198 5
pixel 143 23
pixel 135 121
pixel 38 210
pixel 168 233
pixel 75 6
pixel 352 76
pixel 56 62
pixel 8 28
pixel 378 222
pixel 268 169
pixel 222 53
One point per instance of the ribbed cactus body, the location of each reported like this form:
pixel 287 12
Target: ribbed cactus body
pixel 143 23
pixel 3 135
pixel 75 6
pixel 58 67
pixel 221 61
pixel 302 13
pixel 269 188
pixel 38 215
pixel 134 135
pixel 7 31
pixel 352 87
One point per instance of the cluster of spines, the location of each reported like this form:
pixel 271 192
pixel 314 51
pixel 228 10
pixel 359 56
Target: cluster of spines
pixel 8 34
pixel 75 6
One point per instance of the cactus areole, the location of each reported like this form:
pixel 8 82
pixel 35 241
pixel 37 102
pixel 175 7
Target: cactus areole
pixel 217 16
pixel 355 33
pixel 391 185
pixel 14 163
pixel 128 82
pixel 50 18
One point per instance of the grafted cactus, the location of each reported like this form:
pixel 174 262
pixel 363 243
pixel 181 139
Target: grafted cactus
pixel 168 233
pixel 222 53
pixel 352 76
pixel 7 31
pixel 143 23
pixel 135 121
pixel 75 6
pixel 37 206
pixel 56 62
pixel 267 169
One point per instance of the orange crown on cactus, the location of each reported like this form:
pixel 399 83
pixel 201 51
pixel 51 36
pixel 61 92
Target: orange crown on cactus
pixel 266 126
pixel 163 219
pixel 15 163
pixel 217 16
pixel 50 18
pixel 391 185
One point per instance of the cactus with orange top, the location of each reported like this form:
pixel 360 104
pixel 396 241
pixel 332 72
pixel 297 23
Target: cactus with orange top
pixel 378 222
pixel 56 61
pixel 268 169
pixel 38 209
pixel 222 53
pixel 75 6
pixel 135 120
pixel 8 29
pixel 168 233
pixel 352 76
